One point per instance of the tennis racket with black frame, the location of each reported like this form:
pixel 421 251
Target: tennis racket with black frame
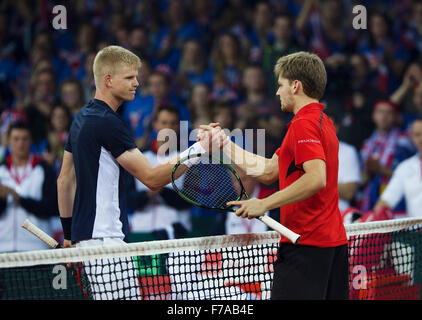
pixel 210 183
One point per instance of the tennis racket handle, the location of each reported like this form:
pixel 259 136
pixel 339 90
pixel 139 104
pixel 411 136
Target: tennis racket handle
pixel 44 237
pixel 271 223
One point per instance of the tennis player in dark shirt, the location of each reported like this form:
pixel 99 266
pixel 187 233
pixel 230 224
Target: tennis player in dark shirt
pixel 99 151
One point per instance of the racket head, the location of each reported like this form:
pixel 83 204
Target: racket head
pixel 209 184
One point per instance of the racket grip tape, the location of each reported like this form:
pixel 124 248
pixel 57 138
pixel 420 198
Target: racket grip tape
pixel 44 237
pixel 289 234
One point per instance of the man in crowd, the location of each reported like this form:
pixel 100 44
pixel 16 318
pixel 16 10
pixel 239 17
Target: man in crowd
pixel 407 179
pixel 27 191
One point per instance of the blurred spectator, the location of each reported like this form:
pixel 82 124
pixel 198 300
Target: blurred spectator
pixel 162 213
pixel 42 49
pixel 193 68
pixel 224 114
pixel 137 113
pixel 86 40
pixel 159 87
pixel 228 63
pixel 387 57
pixel 58 130
pixel 406 180
pixel 85 75
pixel 203 14
pixel 324 26
pixel 177 29
pixel 259 32
pixel 281 43
pixel 42 98
pixel 382 152
pixel 417 100
pixel 349 172
pixel 257 111
pixel 200 105
pixel 403 96
pixel 27 191
pixel 356 114
pixel 8 117
pixel 72 95
pixel 413 35
pixel 139 42
pixel 159 94
pixel 232 18
pixel 117 28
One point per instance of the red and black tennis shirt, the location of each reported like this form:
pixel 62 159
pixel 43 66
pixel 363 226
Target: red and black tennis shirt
pixel 311 135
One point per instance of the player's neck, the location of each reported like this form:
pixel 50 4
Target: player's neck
pixel 302 102
pixel 110 100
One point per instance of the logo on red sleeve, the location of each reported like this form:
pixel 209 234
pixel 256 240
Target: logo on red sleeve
pixel 308 141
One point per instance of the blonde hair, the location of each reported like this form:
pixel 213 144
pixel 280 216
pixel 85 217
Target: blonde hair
pixel 110 59
pixel 305 67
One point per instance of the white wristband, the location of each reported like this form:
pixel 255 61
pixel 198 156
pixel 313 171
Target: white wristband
pixel 195 149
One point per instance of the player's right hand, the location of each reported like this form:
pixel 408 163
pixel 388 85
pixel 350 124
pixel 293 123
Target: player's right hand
pixel 214 135
pixel 67 244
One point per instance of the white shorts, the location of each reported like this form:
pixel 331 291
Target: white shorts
pixel 111 278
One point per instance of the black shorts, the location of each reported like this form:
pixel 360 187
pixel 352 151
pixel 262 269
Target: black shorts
pixel 306 272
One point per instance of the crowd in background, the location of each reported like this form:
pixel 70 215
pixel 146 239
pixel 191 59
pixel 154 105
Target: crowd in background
pixel 213 60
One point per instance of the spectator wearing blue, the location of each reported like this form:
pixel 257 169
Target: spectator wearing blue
pixel 42 98
pixel 259 32
pixel 177 29
pixel 140 112
pixel 412 37
pixel 281 43
pixel 200 105
pixel 137 113
pixel 85 75
pixel 325 28
pixel 72 95
pixel 386 54
pixel 193 68
pixel 355 116
pixel 228 62
pixel 42 49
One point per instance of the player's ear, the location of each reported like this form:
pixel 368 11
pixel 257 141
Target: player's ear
pixel 108 80
pixel 296 85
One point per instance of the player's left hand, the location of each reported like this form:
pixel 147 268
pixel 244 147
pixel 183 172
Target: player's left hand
pixel 250 209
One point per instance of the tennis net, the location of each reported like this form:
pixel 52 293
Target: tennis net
pixel 385 263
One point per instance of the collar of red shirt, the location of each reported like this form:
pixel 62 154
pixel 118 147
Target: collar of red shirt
pixel 313 106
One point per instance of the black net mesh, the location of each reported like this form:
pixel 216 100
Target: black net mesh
pixel 383 265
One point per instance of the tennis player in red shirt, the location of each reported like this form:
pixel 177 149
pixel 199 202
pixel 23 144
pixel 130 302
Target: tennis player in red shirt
pixel 306 165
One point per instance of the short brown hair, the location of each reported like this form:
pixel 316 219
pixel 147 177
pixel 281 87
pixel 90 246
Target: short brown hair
pixel 305 67
pixel 109 59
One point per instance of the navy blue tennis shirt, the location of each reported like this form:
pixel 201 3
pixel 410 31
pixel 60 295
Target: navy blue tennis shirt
pixel 97 136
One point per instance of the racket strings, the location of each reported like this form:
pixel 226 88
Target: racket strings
pixel 211 185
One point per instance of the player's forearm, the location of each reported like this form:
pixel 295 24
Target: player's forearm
pixel 66 189
pixel 302 189
pixel 254 165
pixel 160 175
